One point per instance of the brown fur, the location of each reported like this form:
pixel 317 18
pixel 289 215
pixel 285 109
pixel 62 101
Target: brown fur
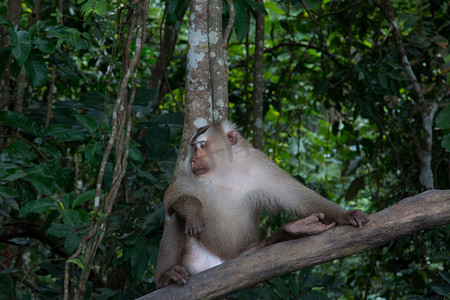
pixel 216 199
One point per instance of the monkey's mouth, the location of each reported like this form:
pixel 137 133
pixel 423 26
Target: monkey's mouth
pixel 200 171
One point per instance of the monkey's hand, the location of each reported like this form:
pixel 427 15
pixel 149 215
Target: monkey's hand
pixel 177 275
pixel 307 226
pixel 194 225
pixel 354 217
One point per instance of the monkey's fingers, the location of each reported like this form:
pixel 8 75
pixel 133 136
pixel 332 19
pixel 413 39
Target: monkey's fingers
pixel 356 218
pixel 330 225
pixel 194 229
pixel 177 275
pixel 313 218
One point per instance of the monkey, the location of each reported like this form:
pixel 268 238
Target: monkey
pixel 215 200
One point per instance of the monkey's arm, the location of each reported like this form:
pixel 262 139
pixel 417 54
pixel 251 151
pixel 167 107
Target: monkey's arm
pixel 293 230
pixel 168 266
pixel 289 194
pixel 189 208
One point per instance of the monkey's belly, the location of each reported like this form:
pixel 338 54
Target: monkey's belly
pixel 196 258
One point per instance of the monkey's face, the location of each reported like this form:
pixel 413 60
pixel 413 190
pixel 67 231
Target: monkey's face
pixel 210 150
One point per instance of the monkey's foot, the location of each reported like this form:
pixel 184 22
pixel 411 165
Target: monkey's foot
pixel 177 275
pixel 307 226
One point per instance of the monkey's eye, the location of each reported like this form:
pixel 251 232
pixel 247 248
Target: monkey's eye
pixel 201 144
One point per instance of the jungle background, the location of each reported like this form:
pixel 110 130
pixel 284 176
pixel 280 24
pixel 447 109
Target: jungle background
pixel 342 113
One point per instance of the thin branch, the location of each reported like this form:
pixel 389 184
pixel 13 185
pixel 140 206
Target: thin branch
pixel 229 27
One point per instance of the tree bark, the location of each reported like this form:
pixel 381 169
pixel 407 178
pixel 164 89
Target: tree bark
pixel 217 62
pixel 423 211
pixel 158 79
pixel 13 10
pixel 198 89
pixel 258 82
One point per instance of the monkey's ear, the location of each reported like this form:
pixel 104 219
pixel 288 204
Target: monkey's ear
pixel 232 137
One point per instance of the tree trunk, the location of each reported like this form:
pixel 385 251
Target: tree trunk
pixel 198 90
pixel 258 83
pixel 158 79
pixel 13 14
pixel 423 211
pixel 217 62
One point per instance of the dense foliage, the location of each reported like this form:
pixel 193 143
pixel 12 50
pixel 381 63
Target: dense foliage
pixel 340 114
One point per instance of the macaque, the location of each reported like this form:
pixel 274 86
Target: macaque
pixel 215 201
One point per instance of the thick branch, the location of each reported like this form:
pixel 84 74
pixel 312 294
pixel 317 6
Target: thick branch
pixel 423 211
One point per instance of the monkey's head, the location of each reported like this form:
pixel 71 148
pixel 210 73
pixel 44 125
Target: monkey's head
pixel 210 148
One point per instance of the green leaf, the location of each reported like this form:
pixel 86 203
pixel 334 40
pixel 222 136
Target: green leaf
pixel 241 19
pixel 272 7
pixel 20 153
pixel 5 54
pixel 87 123
pixel 51 151
pixel 174 10
pixel 55 130
pixel 78 262
pixel 135 154
pixel 36 70
pixel 5 21
pixel 45 45
pixel 382 80
pixel 17 120
pixel 258 6
pixel 446 142
pixel 72 135
pixel 355 187
pixel 320 87
pixel 72 242
pixel 42 184
pixel 139 259
pixel 71 217
pixel 83 198
pixel 94 6
pixel 443 119
pixel 7 192
pixel 60 230
pixel 90 154
pixel 68 69
pixel 100 7
pixel 21 45
pixel 68 199
pixel 38 207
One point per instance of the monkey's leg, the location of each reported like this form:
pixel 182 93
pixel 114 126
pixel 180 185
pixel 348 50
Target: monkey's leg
pixel 168 267
pixel 293 230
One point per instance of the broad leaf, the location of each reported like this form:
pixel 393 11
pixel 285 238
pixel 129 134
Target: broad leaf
pixel 83 198
pixel 241 20
pixel 92 148
pixel 42 184
pixel 87 123
pixel 73 240
pixel 36 70
pixel 5 54
pixel 139 259
pixel 38 207
pixel 45 45
pixel 17 120
pixel 21 45
pixel 443 119
pixel 7 192
pixel 60 230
